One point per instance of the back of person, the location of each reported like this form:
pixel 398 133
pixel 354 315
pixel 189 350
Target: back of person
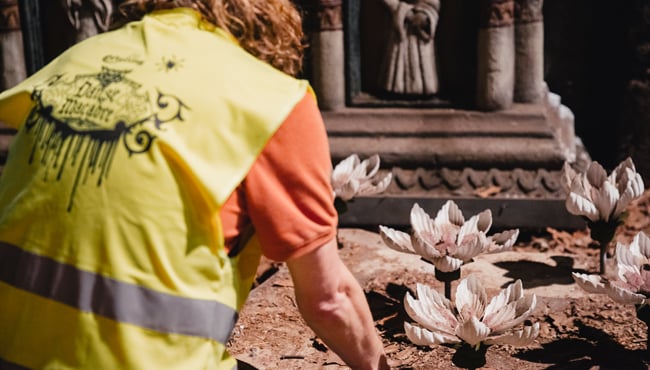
pixel 111 249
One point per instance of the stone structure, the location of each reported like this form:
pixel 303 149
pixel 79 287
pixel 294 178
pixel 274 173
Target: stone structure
pixel 12 61
pixel 488 133
pixel 409 62
pixel 324 26
pixel 12 57
pixel 503 150
pixel 496 55
pixel 88 17
pixel 529 51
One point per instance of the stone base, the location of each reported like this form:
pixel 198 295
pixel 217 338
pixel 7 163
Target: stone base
pixel 527 214
pixel 508 161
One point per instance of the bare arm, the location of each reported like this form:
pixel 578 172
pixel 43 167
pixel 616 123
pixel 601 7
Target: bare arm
pixel 334 306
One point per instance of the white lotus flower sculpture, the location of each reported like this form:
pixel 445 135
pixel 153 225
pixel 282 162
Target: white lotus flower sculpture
pixel 601 199
pixel 628 281
pixel 352 177
pixel 448 241
pixel 471 323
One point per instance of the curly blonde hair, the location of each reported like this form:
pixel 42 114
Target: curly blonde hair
pixel 271 30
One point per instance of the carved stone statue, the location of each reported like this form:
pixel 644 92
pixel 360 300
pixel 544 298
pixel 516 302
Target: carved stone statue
pixel 88 17
pixel 409 65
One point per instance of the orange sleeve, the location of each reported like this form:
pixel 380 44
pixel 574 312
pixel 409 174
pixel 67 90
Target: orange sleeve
pixel 287 194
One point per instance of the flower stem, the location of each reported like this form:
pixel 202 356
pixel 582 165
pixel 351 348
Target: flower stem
pixel 603 233
pixel 447 278
pixel 603 257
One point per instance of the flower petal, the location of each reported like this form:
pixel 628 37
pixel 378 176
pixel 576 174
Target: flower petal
pixel 446 263
pixel 471 246
pixel 629 184
pixel 503 241
pixel 629 256
pixel 519 338
pixel 618 175
pixel 625 296
pixel 343 170
pixel 568 175
pixel 590 283
pixel 348 190
pixel 581 206
pixel 471 298
pixel 431 310
pixel 523 307
pixel 423 337
pixel 473 331
pixel 431 297
pixel 499 310
pixel 368 188
pixel 424 236
pixel 484 220
pixel 605 199
pixel 642 240
pixel 396 240
pixel 450 213
pixel 596 174
pixel 370 166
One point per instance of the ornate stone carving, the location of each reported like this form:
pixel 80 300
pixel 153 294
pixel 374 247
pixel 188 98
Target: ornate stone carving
pixel 409 65
pixel 528 11
pixel 321 15
pixel 516 183
pixel 497 13
pixel 88 17
pixel 330 15
pixel 9 16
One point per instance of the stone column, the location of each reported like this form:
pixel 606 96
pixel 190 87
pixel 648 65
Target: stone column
pixel 12 55
pixel 496 55
pixel 529 50
pixel 327 55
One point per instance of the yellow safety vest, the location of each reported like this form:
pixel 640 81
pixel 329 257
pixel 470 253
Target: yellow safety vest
pixel 128 144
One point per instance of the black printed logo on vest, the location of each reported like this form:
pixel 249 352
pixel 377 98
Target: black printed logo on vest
pixel 80 122
pixel 171 63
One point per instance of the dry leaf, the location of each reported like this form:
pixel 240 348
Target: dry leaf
pixel 487 191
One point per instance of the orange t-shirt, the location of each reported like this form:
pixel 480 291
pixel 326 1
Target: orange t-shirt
pixel 287 195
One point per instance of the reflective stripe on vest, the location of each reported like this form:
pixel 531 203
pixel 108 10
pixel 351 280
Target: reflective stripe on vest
pixel 129 303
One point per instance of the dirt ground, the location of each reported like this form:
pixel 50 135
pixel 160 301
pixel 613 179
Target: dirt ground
pixel 578 330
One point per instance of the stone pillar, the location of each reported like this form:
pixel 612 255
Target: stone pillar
pixel 12 56
pixel 529 50
pixel 327 55
pixel 496 55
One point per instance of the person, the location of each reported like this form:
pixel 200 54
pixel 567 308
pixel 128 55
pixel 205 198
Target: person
pixel 152 166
